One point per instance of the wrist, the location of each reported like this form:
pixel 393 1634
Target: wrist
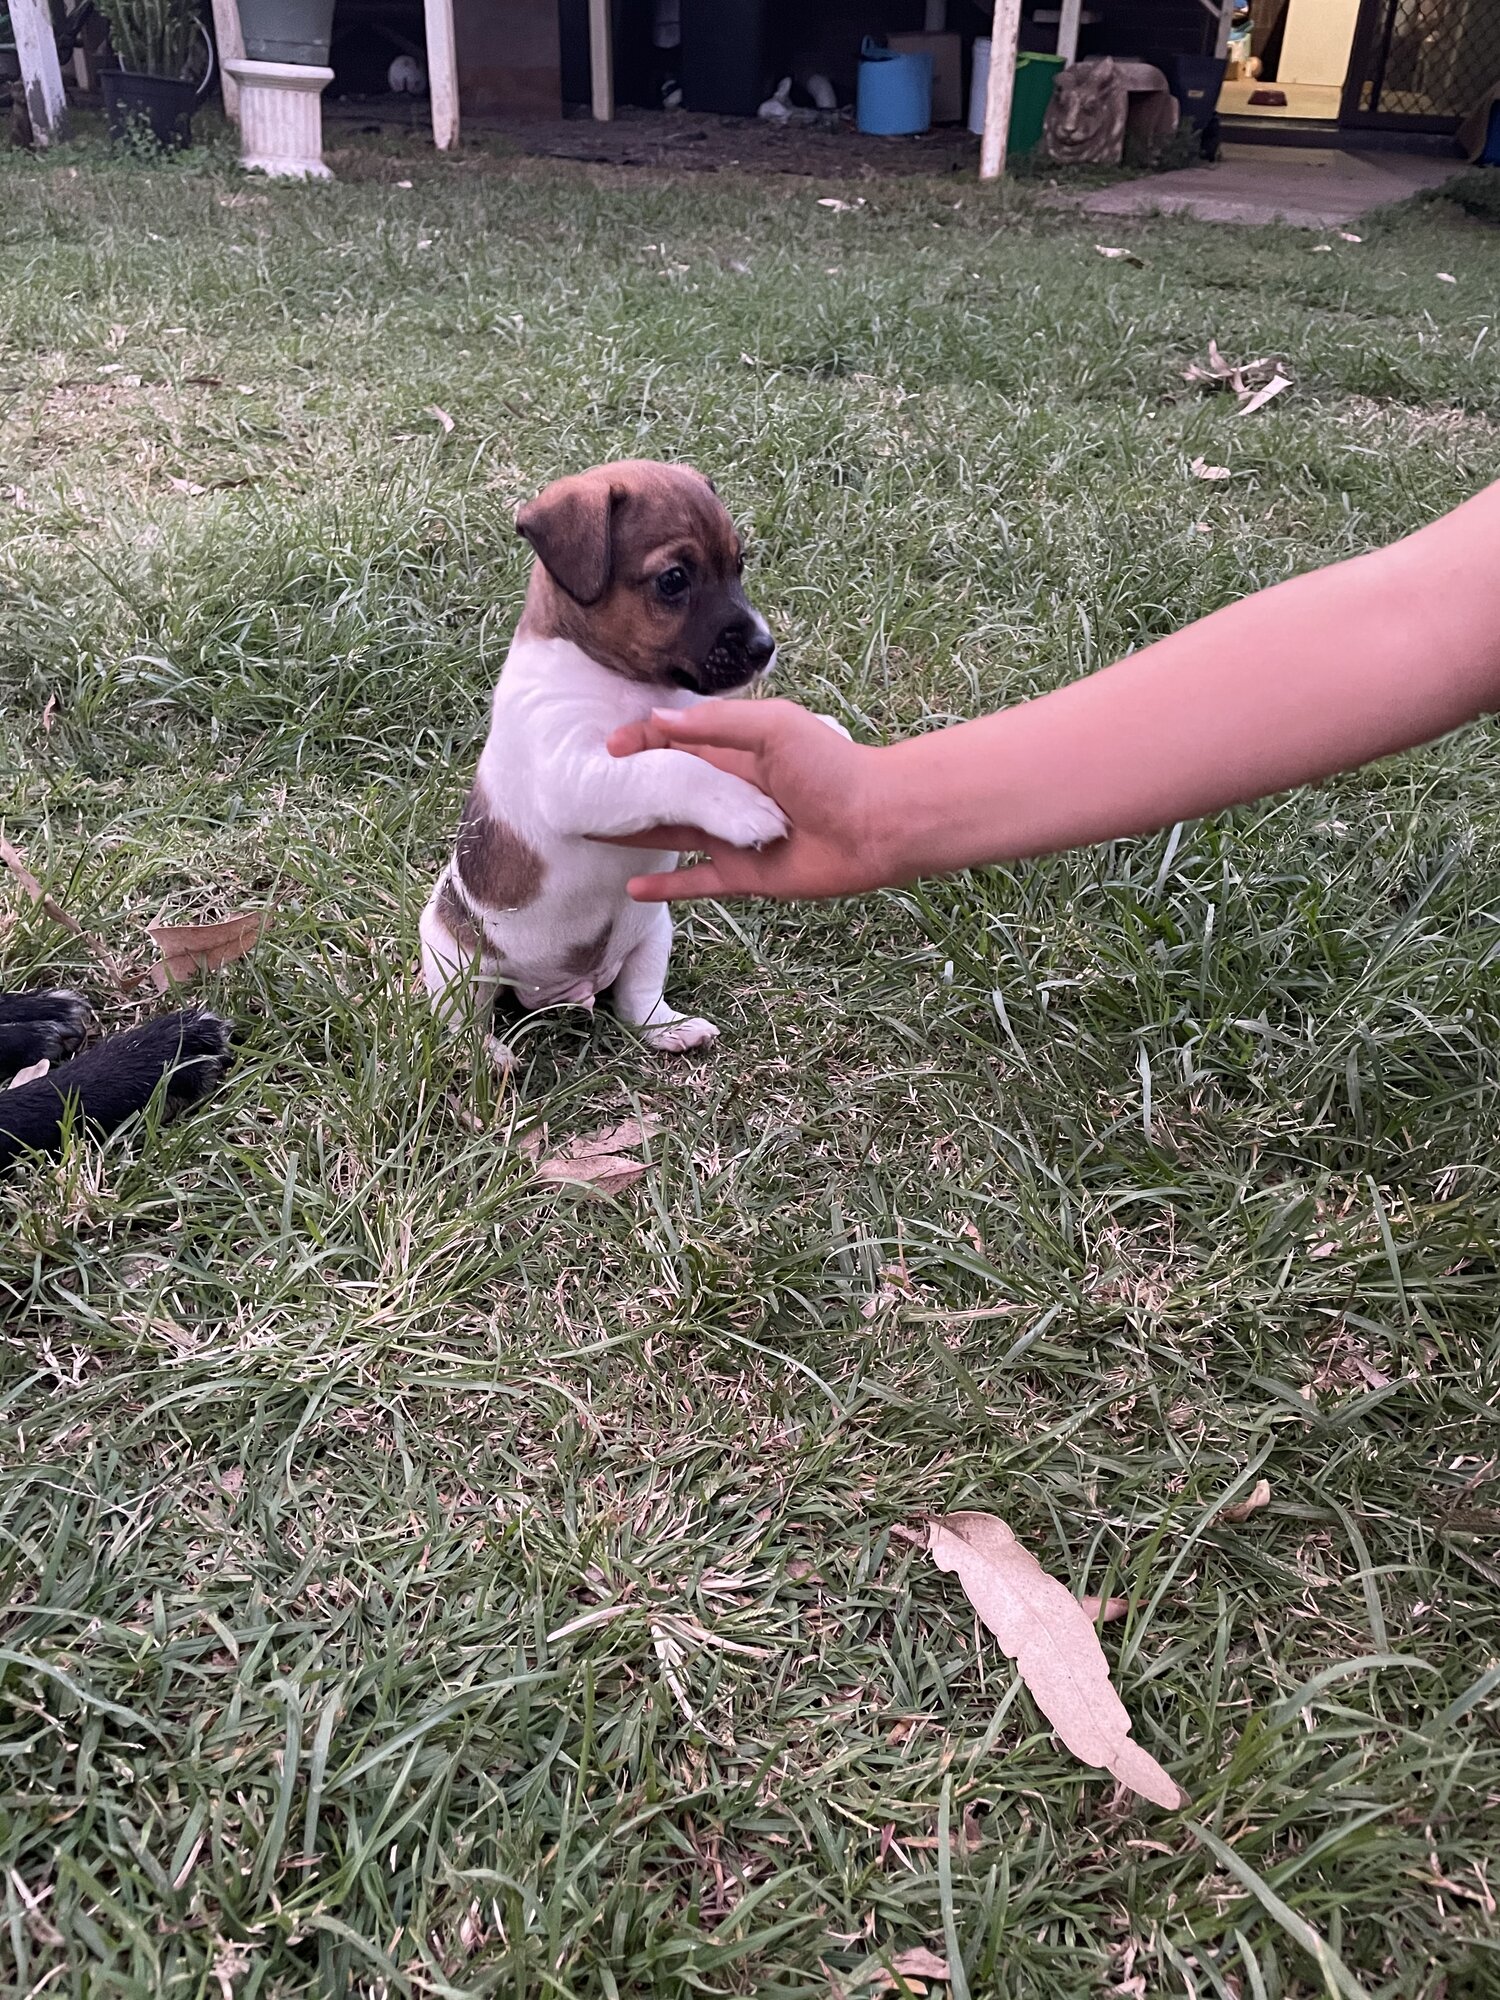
pixel 899 814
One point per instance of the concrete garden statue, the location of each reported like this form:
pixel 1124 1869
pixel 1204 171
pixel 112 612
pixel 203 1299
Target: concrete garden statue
pixel 281 78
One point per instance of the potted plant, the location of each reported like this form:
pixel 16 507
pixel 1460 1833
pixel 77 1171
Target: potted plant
pixel 287 31
pixel 166 65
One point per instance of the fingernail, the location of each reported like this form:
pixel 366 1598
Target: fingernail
pixel 664 714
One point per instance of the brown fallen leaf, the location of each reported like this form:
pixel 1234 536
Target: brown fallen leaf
pixel 1259 400
pixel 1259 1496
pixel 35 891
pixel 29 1074
pixel 1201 469
pixel 605 1173
pixel 123 980
pixel 442 417
pixel 599 1161
pixel 1044 1629
pixel 187 949
pixel 1113 1608
pixel 1120 256
pixel 1219 373
pixel 923 1963
pixel 634 1132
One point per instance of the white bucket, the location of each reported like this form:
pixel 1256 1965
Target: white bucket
pixel 979 89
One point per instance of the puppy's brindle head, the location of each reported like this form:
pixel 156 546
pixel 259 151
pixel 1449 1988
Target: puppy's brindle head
pixel 639 565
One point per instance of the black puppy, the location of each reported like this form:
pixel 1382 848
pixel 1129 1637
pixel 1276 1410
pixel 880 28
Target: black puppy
pixel 107 1084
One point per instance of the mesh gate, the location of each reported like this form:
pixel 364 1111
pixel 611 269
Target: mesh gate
pixel 1423 64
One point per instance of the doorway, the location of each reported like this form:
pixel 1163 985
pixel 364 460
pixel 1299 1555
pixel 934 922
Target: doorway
pixel 1290 59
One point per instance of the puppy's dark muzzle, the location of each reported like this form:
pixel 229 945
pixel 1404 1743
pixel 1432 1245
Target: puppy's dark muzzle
pixel 741 654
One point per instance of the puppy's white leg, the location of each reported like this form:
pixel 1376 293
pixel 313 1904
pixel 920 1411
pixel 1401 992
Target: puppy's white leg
pixel 460 972
pixel 638 996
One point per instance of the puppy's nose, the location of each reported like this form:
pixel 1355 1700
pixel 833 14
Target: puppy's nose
pixel 760 647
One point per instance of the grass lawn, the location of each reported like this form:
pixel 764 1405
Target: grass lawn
pixel 1090 1192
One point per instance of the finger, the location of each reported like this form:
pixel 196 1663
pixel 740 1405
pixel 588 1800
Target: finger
pixel 633 737
pixel 731 725
pixel 680 886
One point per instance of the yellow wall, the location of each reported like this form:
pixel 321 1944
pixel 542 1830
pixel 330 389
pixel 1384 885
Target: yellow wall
pixel 1319 36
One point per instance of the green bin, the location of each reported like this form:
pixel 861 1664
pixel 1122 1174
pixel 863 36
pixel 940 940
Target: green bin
pixel 1035 76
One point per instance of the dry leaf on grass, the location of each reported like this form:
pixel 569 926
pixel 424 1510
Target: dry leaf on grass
pixel 1259 1496
pixel 599 1161
pixel 32 888
pixel 1259 400
pixel 605 1173
pixel 186 486
pixel 187 949
pixel 441 416
pixel 1446 278
pixel 1219 373
pixel 909 1972
pixel 123 981
pixel 832 201
pixel 1120 256
pixel 1201 469
pixel 1113 1608
pixel 1254 383
pixel 48 713
pixel 30 1074
pixel 1044 1629
pixel 1348 236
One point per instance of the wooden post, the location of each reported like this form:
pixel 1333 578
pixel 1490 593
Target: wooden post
pixel 442 74
pixel 1004 36
pixel 1067 30
pixel 602 59
pixel 231 47
pixel 41 73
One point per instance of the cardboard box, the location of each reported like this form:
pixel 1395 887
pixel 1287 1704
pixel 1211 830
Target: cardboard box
pixel 947 52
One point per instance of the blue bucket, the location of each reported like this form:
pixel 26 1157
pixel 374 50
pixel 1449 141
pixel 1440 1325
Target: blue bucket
pixel 895 92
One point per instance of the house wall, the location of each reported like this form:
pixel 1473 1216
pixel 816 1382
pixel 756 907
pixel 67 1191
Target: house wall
pixel 509 61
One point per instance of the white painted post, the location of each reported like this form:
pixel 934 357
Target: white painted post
pixel 442 74
pixel 1004 36
pixel 41 73
pixel 231 44
pixel 1067 30
pixel 602 59
pixel 1223 13
pixel 83 76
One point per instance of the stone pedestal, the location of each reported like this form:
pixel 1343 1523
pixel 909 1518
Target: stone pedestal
pixel 281 117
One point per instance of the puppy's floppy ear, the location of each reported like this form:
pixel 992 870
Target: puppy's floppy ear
pixel 569 526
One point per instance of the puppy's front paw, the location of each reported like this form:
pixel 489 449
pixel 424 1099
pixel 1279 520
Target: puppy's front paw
pixel 747 818
pixel 670 1038
pixel 40 1027
pixel 192 1048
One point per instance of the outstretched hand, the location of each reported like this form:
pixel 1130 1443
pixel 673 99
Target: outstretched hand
pixel 816 775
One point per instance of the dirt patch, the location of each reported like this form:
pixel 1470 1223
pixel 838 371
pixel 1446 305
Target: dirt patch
pixel 698 142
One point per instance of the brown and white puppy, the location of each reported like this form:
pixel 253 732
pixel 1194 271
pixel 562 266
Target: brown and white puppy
pixel 636 602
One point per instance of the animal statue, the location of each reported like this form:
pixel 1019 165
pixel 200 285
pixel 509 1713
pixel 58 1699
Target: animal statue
pixel 1096 103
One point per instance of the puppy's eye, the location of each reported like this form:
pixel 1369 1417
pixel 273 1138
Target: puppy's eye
pixel 672 583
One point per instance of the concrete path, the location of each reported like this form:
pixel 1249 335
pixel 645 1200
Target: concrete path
pixel 1314 188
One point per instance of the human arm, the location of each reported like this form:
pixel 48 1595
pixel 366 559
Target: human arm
pixel 1328 671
